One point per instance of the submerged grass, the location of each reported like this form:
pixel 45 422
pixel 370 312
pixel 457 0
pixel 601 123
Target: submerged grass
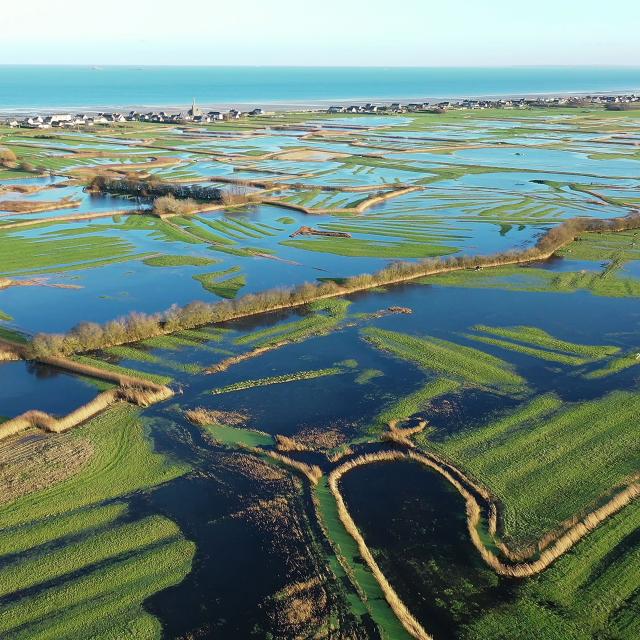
pixel 234 436
pixel 326 315
pixel 414 403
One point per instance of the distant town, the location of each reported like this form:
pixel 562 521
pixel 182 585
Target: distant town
pixel 198 116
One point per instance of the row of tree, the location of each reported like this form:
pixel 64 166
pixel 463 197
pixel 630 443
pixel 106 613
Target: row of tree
pixel 89 336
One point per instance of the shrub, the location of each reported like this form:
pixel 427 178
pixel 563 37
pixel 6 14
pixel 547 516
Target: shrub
pixel 170 206
pixel 7 157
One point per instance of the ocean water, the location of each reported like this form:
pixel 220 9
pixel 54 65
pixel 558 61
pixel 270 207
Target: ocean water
pixel 41 87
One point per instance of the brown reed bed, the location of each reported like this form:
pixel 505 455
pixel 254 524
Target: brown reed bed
pixel 37 206
pixel 402 435
pixel 201 417
pixel 143 396
pixel 223 365
pixel 35 461
pixel 312 472
pixel 286 444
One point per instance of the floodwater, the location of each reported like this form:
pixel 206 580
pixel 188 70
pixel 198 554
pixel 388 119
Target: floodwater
pixel 412 518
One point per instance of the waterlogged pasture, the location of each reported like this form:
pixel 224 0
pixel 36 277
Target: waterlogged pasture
pixel 491 181
pixel 148 523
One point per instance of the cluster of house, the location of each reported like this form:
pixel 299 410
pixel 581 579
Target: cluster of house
pixel 516 103
pixel 197 116
pixel 64 120
pixel 194 114
pixel 396 107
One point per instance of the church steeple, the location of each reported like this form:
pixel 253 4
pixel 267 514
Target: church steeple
pixel 194 111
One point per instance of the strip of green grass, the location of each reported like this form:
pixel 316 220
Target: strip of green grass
pixel 449 359
pixel 543 354
pixel 178 261
pixel 282 379
pixel 540 338
pixel 614 366
pixel 357 247
pixel 125 371
pixel 327 316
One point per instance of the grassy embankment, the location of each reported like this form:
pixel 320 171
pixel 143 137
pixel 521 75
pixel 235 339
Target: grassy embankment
pixel 86 562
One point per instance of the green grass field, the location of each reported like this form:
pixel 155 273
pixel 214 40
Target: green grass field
pixel 87 562
pixel 592 592
pixel 178 261
pixel 449 359
pixel 550 460
pixel 357 247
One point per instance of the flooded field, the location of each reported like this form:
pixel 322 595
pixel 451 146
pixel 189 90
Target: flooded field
pixel 392 461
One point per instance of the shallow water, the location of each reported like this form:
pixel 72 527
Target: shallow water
pixel 26 386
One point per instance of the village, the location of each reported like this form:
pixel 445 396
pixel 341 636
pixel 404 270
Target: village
pixel 196 115
pixel 615 102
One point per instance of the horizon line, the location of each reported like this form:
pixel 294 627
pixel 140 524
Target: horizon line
pixel 319 66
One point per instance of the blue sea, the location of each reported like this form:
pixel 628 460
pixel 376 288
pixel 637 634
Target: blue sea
pixel 42 87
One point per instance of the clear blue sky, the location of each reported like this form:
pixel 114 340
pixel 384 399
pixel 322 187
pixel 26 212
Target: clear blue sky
pixel 322 32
